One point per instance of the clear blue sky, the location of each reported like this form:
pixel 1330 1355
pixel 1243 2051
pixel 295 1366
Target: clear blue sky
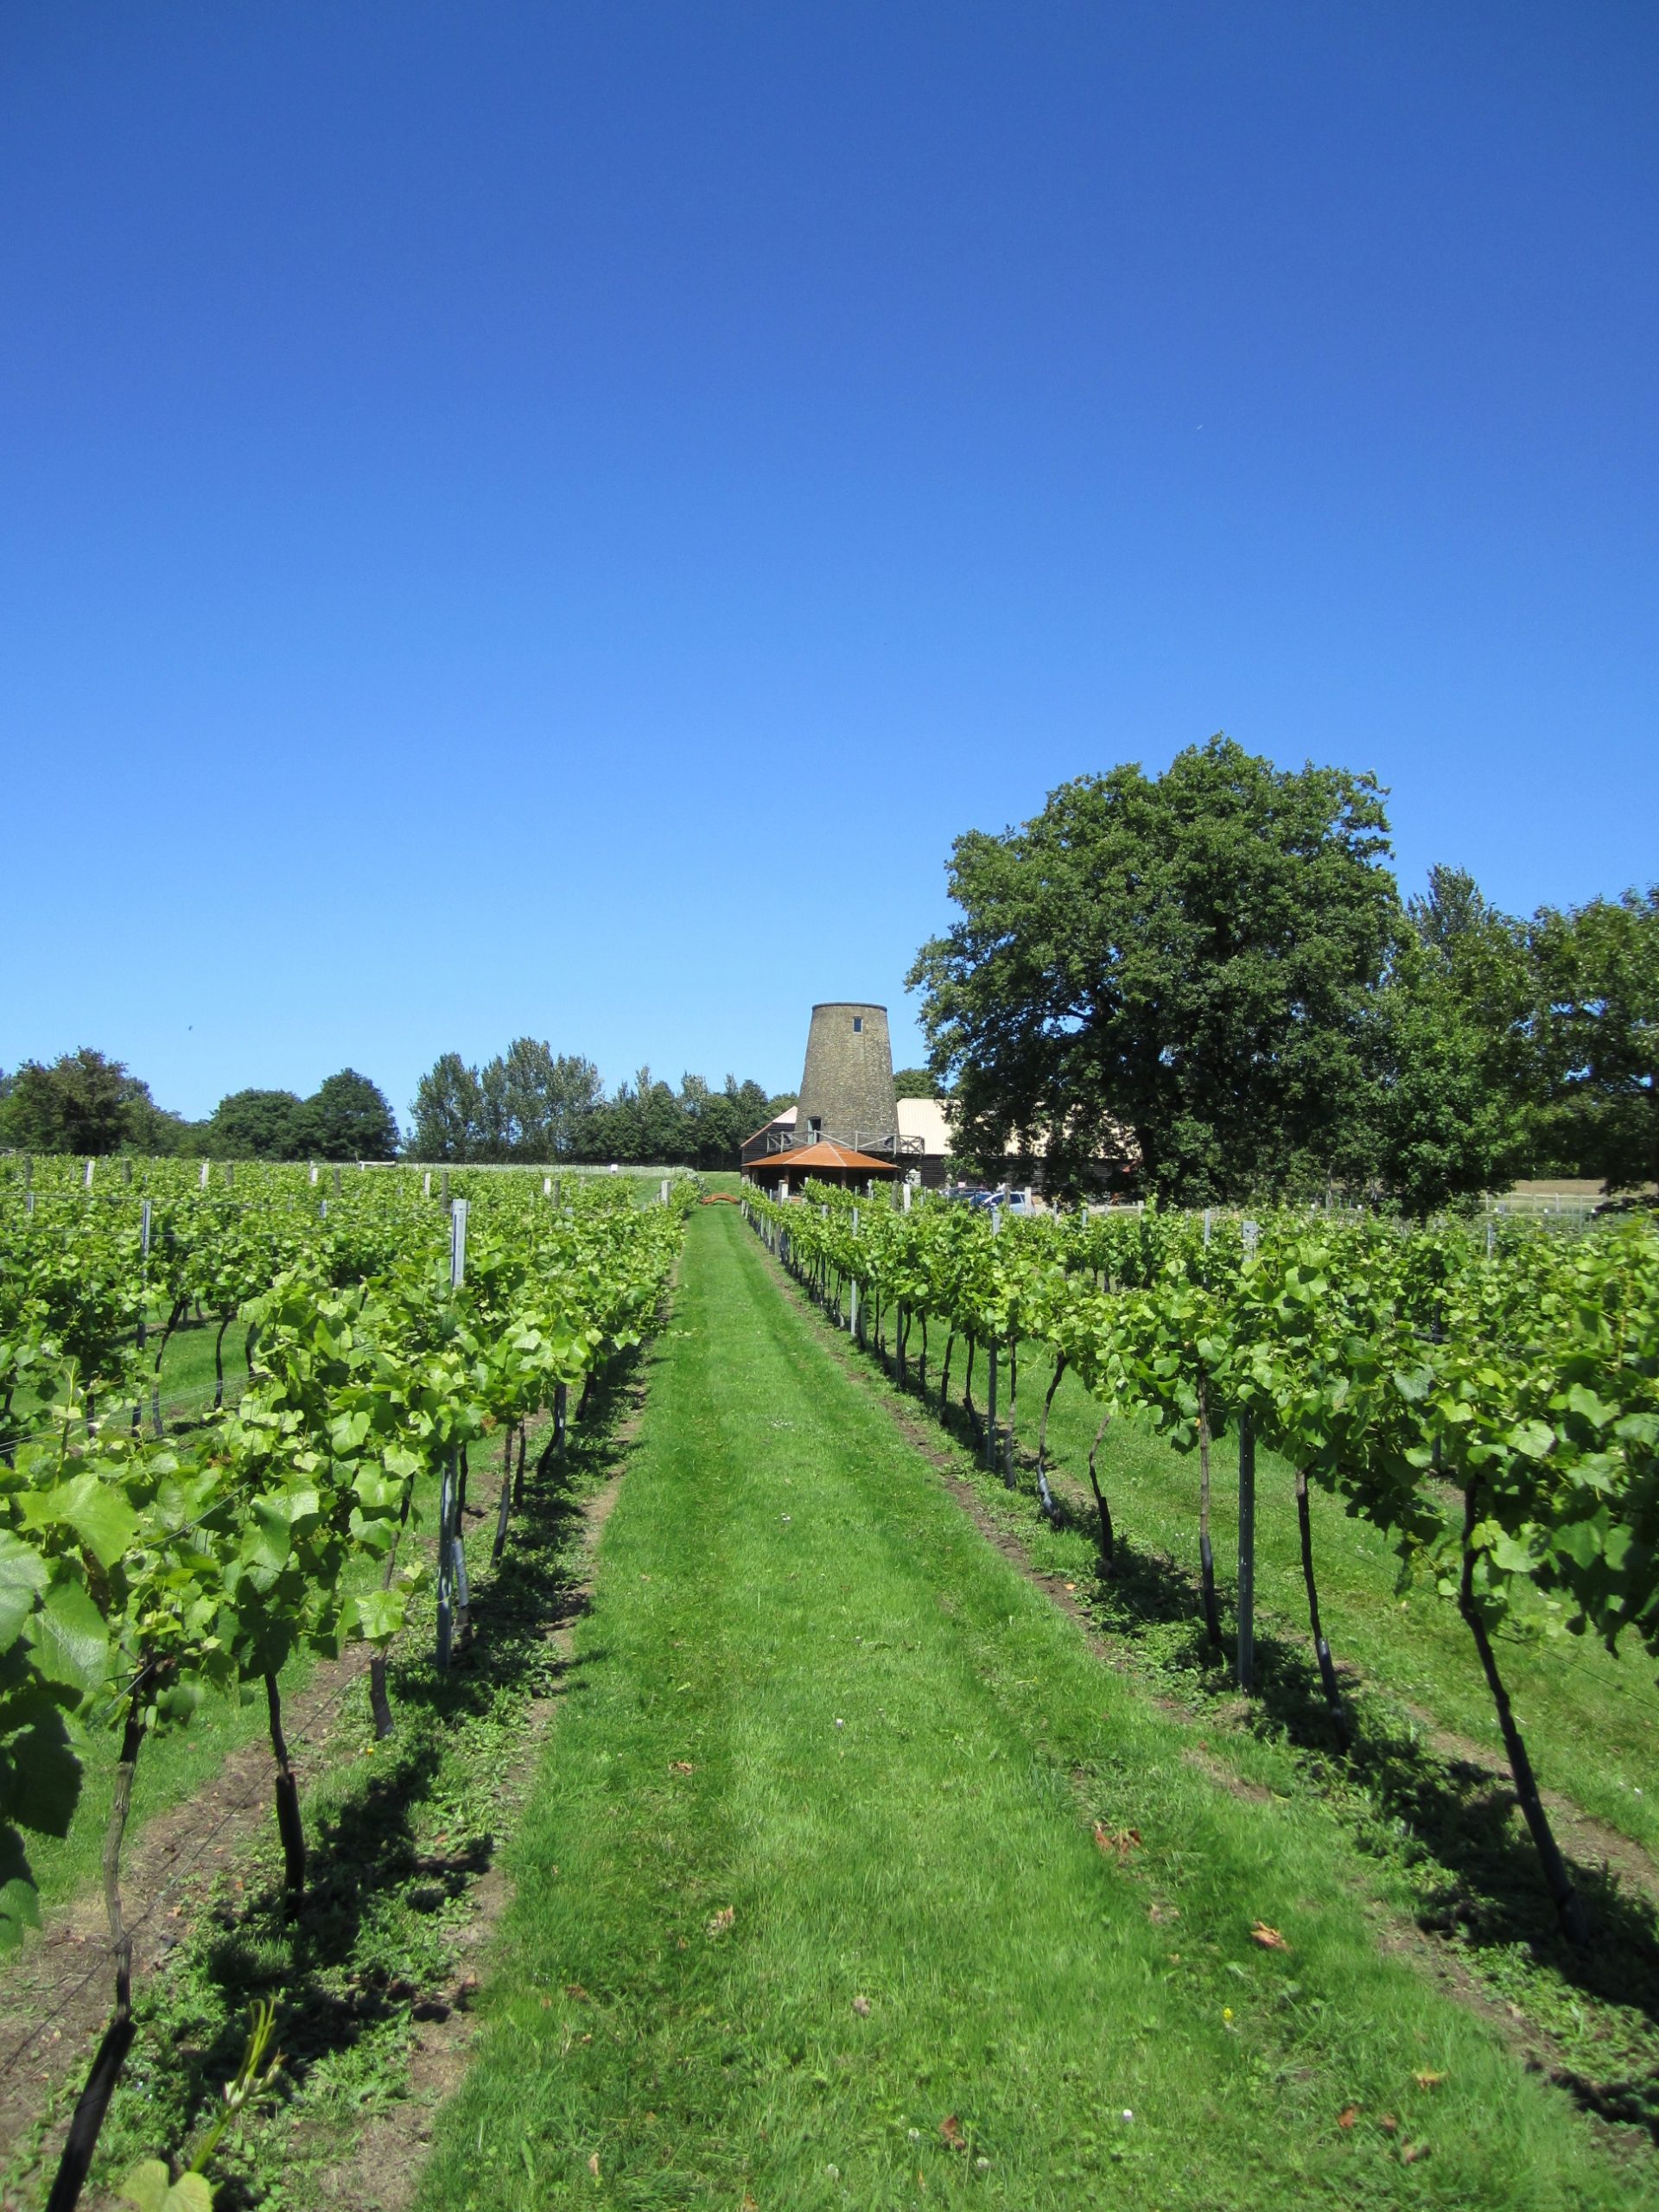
pixel 547 519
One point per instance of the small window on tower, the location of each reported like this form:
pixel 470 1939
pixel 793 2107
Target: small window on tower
pixel 858 1023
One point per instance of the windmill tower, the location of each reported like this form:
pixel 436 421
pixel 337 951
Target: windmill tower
pixel 847 1088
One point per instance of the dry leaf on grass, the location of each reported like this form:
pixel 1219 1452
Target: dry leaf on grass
pixel 575 1992
pixel 1410 2152
pixel 951 2130
pixel 722 1920
pixel 1116 1843
pixel 861 2006
pixel 1349 2115
pixel 1161 1915
pixel 682 1766
pixel 1388 2123
pixel 1428 2079
pixel 593 2163
pixel 1268 1938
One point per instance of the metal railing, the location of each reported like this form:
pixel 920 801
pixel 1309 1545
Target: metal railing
pixel 891 1142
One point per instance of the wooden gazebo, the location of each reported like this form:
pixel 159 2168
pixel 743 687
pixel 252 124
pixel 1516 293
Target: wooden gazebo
pixel 783 1174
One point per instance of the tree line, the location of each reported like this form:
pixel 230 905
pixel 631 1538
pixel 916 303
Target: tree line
pixel 529 1104
pixel 1210 980
pixel 84 1102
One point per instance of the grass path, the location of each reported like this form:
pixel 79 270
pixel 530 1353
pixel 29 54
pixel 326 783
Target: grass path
pixel 812 1908
pixel 1592 1720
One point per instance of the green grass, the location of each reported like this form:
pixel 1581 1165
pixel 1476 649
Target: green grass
pixel 173 1768
pixel 188 1381
pixel 401 1835
pixel 187 1365
pixel 1447 1824
pixel 810 1885
pixel 1592 1720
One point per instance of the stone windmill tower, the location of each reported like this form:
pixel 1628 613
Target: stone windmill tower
pixel 847 1088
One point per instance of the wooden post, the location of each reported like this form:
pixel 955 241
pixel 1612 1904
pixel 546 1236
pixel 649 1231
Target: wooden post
pixel 990 1409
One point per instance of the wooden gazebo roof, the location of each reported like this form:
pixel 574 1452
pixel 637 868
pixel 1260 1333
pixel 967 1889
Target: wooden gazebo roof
pixel 817 1159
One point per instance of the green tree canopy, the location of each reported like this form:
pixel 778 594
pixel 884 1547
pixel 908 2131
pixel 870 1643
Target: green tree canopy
pixel 1189 956
pixel 259 1125
pixel 716 1122
pixel 1597 970
pixel 154 1133
pixel 82 1103
pixel 1454 1051
pixel 915 1083
pixel 544 1098
pixel 448 1111
pixel 347 1117
pixel 531 1103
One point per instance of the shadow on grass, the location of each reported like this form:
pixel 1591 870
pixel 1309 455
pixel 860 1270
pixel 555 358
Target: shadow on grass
pixel 1451 1821
pixel 344 1967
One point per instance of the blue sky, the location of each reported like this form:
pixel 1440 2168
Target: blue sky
pixel 548 519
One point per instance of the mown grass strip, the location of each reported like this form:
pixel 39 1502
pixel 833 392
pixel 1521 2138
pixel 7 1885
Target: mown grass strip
pixel 853 1878
pixel 1592 1720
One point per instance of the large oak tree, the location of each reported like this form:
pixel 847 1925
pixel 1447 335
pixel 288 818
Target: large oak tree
pixel 1191 957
